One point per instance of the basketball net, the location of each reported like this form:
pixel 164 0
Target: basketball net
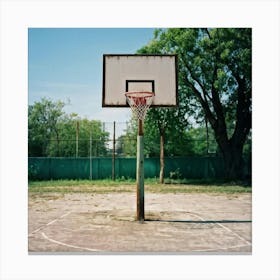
pixel 139 102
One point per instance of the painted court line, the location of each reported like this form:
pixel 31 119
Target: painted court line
pixel 96 250
pixel 220 248
pixel 51 222
pixel 236 234
pixel 68 245
pixel 227 229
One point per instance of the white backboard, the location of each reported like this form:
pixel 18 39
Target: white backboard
pixel 127 72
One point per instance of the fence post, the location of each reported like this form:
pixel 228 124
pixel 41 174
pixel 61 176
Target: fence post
pixel 77 139
pixel 114 151
pixel 90 156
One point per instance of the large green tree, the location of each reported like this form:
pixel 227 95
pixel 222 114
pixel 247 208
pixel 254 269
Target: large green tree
pixel 166 122
pixel 43 117
pixel 214 83
pixel 76 137
pixel 52 132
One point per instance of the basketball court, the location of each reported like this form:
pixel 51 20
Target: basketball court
pixel 131 222
pixel 106 223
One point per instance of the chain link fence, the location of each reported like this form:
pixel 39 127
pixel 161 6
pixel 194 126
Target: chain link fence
pixel 119 139
pixel 110 153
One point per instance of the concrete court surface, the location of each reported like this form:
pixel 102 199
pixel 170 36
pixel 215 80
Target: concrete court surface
pixel 185 223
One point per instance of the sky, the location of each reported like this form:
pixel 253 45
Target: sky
pixel 66 64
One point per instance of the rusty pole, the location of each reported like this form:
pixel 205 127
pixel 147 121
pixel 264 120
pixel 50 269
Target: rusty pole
pixel 140 172
pixel 77 138
pixel 114 151
pixel 90 157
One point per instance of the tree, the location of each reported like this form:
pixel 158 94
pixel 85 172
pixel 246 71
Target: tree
pixel 88 129
pixel 126 144
pixel 43 117
pixel 215 79
pixel 165 120
pixel 51 132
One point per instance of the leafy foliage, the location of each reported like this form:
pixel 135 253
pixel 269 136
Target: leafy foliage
pixel 53 133
pixel 43 118
pixel 214 85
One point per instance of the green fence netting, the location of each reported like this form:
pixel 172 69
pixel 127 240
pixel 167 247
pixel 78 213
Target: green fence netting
pixel 102 168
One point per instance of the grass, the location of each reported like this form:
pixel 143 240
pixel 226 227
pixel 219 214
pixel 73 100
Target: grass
pixel 129 185
pixel 105 182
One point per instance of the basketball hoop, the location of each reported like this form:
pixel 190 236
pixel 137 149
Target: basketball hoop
pixel 139 102
pixel 124 84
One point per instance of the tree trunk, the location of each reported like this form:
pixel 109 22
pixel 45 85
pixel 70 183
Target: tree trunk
pixel 161 173
pixel 233 161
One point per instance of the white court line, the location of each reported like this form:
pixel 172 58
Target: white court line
pixel 96 250
pixel 51 222
pixel 226 228
pixel 236 234
pixel 68 245
pixel 222 248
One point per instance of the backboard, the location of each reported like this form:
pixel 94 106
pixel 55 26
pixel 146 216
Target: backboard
pixel 148 73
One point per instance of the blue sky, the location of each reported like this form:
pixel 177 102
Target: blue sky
pixel 66 64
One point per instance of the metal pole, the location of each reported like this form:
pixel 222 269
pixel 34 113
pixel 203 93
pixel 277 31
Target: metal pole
pixel 77 138
pixel 90 156
pixel 140 172
pixel 114 151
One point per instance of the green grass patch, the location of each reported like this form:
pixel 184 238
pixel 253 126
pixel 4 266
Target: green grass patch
pixel 105 182
pixel 198 189
pixel 208 182
pixel 121 185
